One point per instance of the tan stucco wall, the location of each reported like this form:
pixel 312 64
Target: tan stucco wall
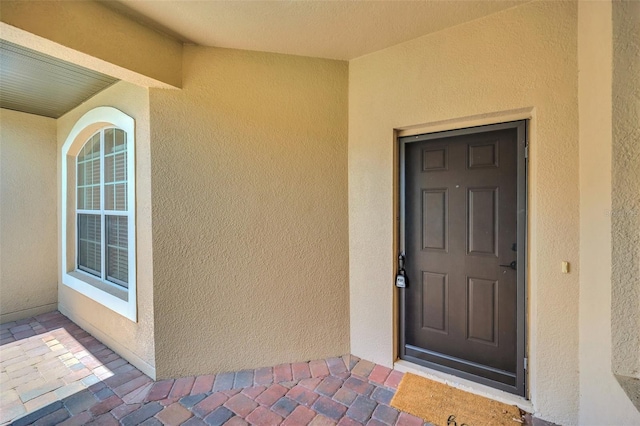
pixel 250 212
pixel 133 341
pixel 92 35
pixel 602 401
pixel 28 216
pixel 626 187
pixel 625 220
pixel 525 57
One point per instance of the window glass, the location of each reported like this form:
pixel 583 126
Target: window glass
pixel 103 226
pixel 88 193
pixel 117 252
pixel 89 243
pixel 115 164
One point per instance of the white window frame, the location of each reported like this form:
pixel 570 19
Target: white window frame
pixel 117 298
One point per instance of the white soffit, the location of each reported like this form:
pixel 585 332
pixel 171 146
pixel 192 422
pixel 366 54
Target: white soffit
pixel 327 29
pixel 39 84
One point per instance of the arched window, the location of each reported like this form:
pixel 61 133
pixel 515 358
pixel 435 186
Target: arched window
pixel 98 202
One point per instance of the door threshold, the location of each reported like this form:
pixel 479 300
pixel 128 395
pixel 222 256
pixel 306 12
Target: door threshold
pixel 464 384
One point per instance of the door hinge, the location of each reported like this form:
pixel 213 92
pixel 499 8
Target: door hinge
pixel 526 363
pixel 526 151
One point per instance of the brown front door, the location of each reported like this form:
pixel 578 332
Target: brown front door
pixel 461 245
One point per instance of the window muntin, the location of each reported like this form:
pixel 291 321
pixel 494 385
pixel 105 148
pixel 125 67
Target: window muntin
pixel 102 207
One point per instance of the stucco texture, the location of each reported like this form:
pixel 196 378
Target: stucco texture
pixel 625 209
pixel 626 187
pixel 134 341
pixel 28 220
pixel 524 57
pixel 602 401
pixel 250 241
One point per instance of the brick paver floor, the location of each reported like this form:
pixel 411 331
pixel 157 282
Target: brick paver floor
pixel 53 372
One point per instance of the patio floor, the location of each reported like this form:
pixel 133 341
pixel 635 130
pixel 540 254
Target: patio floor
pixel 53 372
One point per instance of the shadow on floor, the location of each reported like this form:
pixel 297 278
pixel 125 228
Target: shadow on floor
pixel 53 372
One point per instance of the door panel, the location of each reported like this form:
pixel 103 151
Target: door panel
pixel 435 293
pixel 482 222
pixel 482 314
pixel 460 307
pixel 434 219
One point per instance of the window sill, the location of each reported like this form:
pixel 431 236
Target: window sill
pixel 108 295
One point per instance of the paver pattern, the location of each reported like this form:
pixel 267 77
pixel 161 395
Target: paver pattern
pixel 53 372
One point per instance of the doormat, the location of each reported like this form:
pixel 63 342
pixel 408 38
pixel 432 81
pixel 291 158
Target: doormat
pixel 444 405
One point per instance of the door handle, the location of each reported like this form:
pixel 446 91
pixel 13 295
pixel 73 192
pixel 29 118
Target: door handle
pixel 513 265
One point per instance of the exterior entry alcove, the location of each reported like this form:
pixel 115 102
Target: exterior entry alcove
pixel 268 180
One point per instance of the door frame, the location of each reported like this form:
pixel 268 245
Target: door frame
pixel 521 211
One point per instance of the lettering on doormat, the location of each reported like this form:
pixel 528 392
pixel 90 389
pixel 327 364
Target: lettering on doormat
pixel 451 421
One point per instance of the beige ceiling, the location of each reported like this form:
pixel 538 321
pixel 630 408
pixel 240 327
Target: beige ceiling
pixel 327 29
